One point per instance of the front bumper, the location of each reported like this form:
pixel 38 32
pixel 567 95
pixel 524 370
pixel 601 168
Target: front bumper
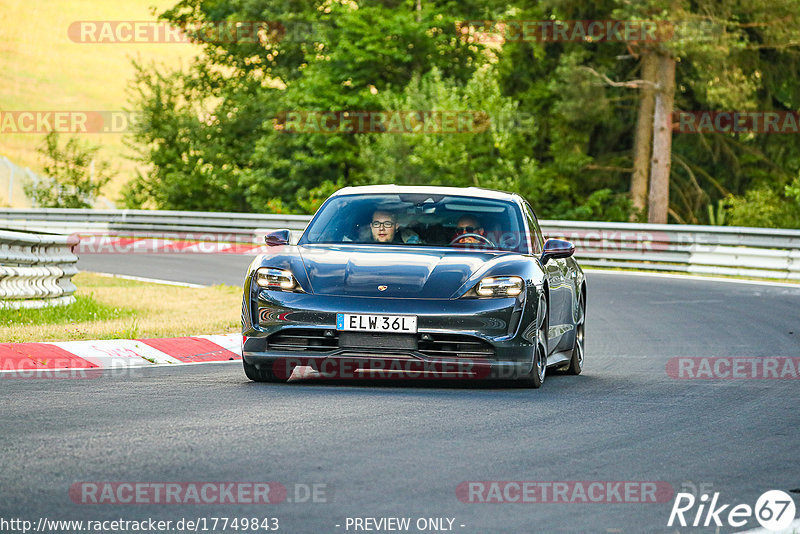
pixel 490 338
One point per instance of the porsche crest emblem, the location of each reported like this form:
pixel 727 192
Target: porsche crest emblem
pixel 382 288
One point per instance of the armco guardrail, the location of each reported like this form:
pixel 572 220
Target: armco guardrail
pixel 757 252
pixel 725 250
pixel 65 220
pixel 36 270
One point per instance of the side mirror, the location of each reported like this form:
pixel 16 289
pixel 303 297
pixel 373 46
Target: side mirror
pixel 278 237
pixel 557 248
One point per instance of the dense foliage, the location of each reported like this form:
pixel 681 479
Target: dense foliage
pixel 73 178
pixel 562 115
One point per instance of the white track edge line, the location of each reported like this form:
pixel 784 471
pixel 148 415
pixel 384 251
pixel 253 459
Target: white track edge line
pixel 151 280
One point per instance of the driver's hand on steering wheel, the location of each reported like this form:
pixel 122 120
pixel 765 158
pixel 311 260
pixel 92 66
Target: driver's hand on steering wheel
pixel 469 231
pixel 462 240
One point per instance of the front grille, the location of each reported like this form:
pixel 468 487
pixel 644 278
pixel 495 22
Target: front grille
pixel 374 340
pixel 431 345
pixel 454 346
pixel 303 339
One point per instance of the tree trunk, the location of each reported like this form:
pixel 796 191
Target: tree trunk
pixel 644 134
pixel 662 140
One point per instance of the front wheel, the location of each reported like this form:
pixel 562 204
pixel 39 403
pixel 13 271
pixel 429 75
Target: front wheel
pixel 576 362
pixel 535 378
pixel 260 374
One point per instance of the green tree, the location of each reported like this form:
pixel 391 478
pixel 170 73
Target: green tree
pixel 766 207
pixel 728 55
pixel 73 176
pixel 483 156
pixel 210 135
pixel 194 136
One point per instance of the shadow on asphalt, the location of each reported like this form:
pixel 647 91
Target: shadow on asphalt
pixel 551 382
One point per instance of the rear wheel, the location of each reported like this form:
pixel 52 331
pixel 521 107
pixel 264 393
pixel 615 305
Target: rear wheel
pixel 535 378
pixel 260 374
pixel 576 362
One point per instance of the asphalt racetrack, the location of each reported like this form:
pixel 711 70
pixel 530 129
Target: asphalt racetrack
pixel 381 450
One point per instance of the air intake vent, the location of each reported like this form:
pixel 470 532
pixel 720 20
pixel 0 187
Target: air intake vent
pixel 304 339
pixel 454 346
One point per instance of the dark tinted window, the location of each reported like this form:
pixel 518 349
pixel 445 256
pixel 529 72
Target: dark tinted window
pixel 418 220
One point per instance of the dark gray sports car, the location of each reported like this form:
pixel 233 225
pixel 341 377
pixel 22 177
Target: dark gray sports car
pixel 415 282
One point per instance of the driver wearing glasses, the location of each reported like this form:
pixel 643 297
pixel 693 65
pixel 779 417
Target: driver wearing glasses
pixel 467 225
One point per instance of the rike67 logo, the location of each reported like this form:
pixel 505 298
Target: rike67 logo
pixel 774 510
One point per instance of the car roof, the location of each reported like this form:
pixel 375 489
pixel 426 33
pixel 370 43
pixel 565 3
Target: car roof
pixel 477 192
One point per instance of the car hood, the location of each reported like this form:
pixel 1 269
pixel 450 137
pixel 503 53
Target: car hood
pixel 351 270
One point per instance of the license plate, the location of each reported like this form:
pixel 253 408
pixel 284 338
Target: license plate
pixel 376 323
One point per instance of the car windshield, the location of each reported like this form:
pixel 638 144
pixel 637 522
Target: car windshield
pixel 418 219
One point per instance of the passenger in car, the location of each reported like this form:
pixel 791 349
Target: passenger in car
pixel 384 228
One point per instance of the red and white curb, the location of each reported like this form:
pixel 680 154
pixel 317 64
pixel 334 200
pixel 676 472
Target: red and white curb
pixel 118 353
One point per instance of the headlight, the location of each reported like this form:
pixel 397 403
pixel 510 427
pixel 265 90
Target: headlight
pixel 500 286
pixel 279 279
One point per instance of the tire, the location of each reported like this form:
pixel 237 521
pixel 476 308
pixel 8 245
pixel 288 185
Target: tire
pixel 262 374
pixel 576 362
pixel 535 378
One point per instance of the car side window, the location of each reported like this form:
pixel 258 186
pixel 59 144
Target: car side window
pixel 536 233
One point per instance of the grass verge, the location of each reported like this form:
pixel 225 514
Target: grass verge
pixel 114 308
pixel 43 69
pixel 84 309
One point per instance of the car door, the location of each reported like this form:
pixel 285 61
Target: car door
pixel 556 273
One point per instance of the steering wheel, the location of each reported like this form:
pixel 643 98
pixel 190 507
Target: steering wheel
pixel 483 238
